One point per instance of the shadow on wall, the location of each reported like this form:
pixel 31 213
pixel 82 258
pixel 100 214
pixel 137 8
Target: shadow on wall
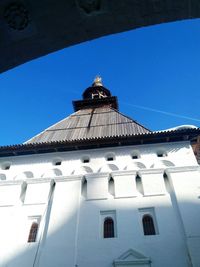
pixel 71 231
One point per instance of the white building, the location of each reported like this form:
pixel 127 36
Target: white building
pixel 99 189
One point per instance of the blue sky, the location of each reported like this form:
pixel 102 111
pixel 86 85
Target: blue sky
pixel 151 68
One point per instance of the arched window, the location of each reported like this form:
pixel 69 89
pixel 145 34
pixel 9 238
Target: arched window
pixel 33 232
pixel 148 225
pixel 108 228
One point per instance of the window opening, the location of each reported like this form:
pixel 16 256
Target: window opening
pixel 85 159
pixel 161 154
pixel 33 232
pixel 58 163
pixel 7 167
pixel 110 157
pixel 108 228
pixel 135 154
pixel 148 225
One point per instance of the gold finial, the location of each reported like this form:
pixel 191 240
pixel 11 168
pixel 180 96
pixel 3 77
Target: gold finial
pixel 98 81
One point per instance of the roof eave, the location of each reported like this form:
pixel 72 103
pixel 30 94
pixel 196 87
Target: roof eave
pixel 61 146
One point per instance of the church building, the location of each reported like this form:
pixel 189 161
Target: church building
pixel 98 189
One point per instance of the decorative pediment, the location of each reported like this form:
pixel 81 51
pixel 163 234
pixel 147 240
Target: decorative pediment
pixel 132 258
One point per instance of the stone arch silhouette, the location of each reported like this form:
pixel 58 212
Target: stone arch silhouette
pixel 145 13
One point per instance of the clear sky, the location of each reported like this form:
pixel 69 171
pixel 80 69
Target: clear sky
pixel 153 71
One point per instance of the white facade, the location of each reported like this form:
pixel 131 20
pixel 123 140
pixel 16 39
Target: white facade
pixel 70 194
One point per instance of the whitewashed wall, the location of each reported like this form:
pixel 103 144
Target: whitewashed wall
pixel 70 232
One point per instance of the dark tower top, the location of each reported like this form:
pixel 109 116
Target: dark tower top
pixel 96 119
pixel 96 96
pixel 97 90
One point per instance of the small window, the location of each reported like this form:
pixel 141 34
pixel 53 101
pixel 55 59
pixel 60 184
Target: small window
pixel 148 225
pixel 57 161
pixel 135 154
pixel 108 224
pixel 161 153
pixel 110 157
pixel 7 167
pixel 148 221
pixel 108 228
pixel 33 232
pixel 85 159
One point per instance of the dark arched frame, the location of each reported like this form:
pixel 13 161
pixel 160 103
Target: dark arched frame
pixel 97 18
pixel 148 225
pixel 108 228
pixel 33 232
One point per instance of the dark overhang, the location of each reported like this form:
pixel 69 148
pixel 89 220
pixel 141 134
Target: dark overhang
pixel 61 146
pixel 32 28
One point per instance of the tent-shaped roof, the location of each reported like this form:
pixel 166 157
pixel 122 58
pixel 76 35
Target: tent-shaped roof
pixel 90 123
pixel 96 123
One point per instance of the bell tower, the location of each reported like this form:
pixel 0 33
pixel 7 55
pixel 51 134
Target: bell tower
pixel 96 96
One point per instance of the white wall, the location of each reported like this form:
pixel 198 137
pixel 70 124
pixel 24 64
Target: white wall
pixel 70 232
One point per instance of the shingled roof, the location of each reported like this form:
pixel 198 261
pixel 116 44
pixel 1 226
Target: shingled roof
pixel 90 123
pixel 96 123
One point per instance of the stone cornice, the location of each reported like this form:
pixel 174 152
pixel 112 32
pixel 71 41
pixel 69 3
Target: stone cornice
pixel 151 171
pixel 131 262
pixel 42 180
pixel 68 178
pixel 123 173
pixel 38 180
pixel 182 169
pixel 101 175
pixel 97 175
pixel 9 182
